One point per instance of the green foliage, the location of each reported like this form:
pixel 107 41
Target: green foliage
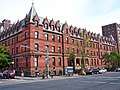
pixel 5 58
pixel 113 58
pixel 71 56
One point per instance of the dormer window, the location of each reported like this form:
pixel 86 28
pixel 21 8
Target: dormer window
pixel 58 29
pixel 52 27
pixel 36 23
pixel 66 31
pixel 72 32
pixel 46 26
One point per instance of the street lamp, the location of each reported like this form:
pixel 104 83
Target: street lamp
pixel 12 64
pixel 47 63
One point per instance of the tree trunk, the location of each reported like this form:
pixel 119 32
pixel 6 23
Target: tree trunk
pixel 73 66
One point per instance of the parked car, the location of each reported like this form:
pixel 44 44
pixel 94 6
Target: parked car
pixel 89 71
pixel 117 69
pixel 95 70
pixel 103 70
pixel 9 74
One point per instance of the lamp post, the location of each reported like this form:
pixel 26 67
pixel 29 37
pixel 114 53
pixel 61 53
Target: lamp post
pixel 47 63
pixel 12 64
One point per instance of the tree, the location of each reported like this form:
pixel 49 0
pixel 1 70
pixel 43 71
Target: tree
pixel 118 58
pixel 81 48
pixel 5 58
pixel 112 58
pixel 71 58
pixel 106 56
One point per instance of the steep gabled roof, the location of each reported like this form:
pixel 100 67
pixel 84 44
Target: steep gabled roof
pixel 32 13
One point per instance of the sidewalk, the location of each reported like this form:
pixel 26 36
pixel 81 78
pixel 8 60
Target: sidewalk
pixel 40 78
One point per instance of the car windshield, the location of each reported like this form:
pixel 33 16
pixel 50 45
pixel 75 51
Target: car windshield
pixel 10 71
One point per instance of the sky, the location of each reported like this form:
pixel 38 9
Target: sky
pixel 89 14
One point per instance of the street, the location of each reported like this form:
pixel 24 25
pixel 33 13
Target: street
pixel 108 81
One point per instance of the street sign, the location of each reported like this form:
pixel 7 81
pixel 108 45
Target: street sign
pixel 47 62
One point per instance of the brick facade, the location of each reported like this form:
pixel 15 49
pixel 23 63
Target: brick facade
pixel 29 38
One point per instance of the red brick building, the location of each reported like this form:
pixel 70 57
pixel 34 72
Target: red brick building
pixel 30 38
pixel 112 30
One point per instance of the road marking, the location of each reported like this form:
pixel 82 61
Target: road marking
pixel 98 82
pixel 115 83
pixel 85 81
pixel 1 82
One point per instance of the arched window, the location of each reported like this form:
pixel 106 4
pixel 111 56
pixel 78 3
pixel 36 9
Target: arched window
pixel 36 46
pixel 36 23
pixel 52 27
pixel 46 26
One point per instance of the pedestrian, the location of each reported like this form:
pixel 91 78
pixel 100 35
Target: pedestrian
pixel 43 76
pixel 1 75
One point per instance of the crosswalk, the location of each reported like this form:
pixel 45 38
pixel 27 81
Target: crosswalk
pixel 102 80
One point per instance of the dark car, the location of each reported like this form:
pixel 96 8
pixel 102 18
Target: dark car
pixel 95 71
pixel 88 71
pixel 117 69
pixel 9 74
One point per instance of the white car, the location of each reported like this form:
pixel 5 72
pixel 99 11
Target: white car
pixel 103 70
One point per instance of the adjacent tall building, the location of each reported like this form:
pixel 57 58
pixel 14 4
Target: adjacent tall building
pixel 35 42
pixel 112 30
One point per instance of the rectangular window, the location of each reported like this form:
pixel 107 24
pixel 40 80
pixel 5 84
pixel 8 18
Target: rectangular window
pixel 46 26
pixel 52 27
pixel 36 34
pixel 96 45
pixel 12 40
pixel 77 51
pixel 58 38
pixel 91 52
pixel 59 49
pixel 81 43
pixel 66 31
pixel 36 61
pixel 9 42
pixel 97 61
pixel 16 49
pixel 94 53
pixel 53 48
pixel 17 39
pixel 67 50
pixel 87 52
pixel 97 53
pixel 67 41
pixel 46 37
pixel 101 53
pixel 53 61
pixel 36 46
pixel 25 47
pixel 25 35
pixel 46 48
pixel 12 50
pixel 26 61
pixel 58 29
pixel 53 37
pixel 59 61
pixel 36 23
pixel 72 41
pixel 73 50
pixel 100 46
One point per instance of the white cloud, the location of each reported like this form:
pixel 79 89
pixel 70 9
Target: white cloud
pixel 91 14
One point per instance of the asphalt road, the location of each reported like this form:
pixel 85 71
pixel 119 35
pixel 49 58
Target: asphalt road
pixel 108 81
